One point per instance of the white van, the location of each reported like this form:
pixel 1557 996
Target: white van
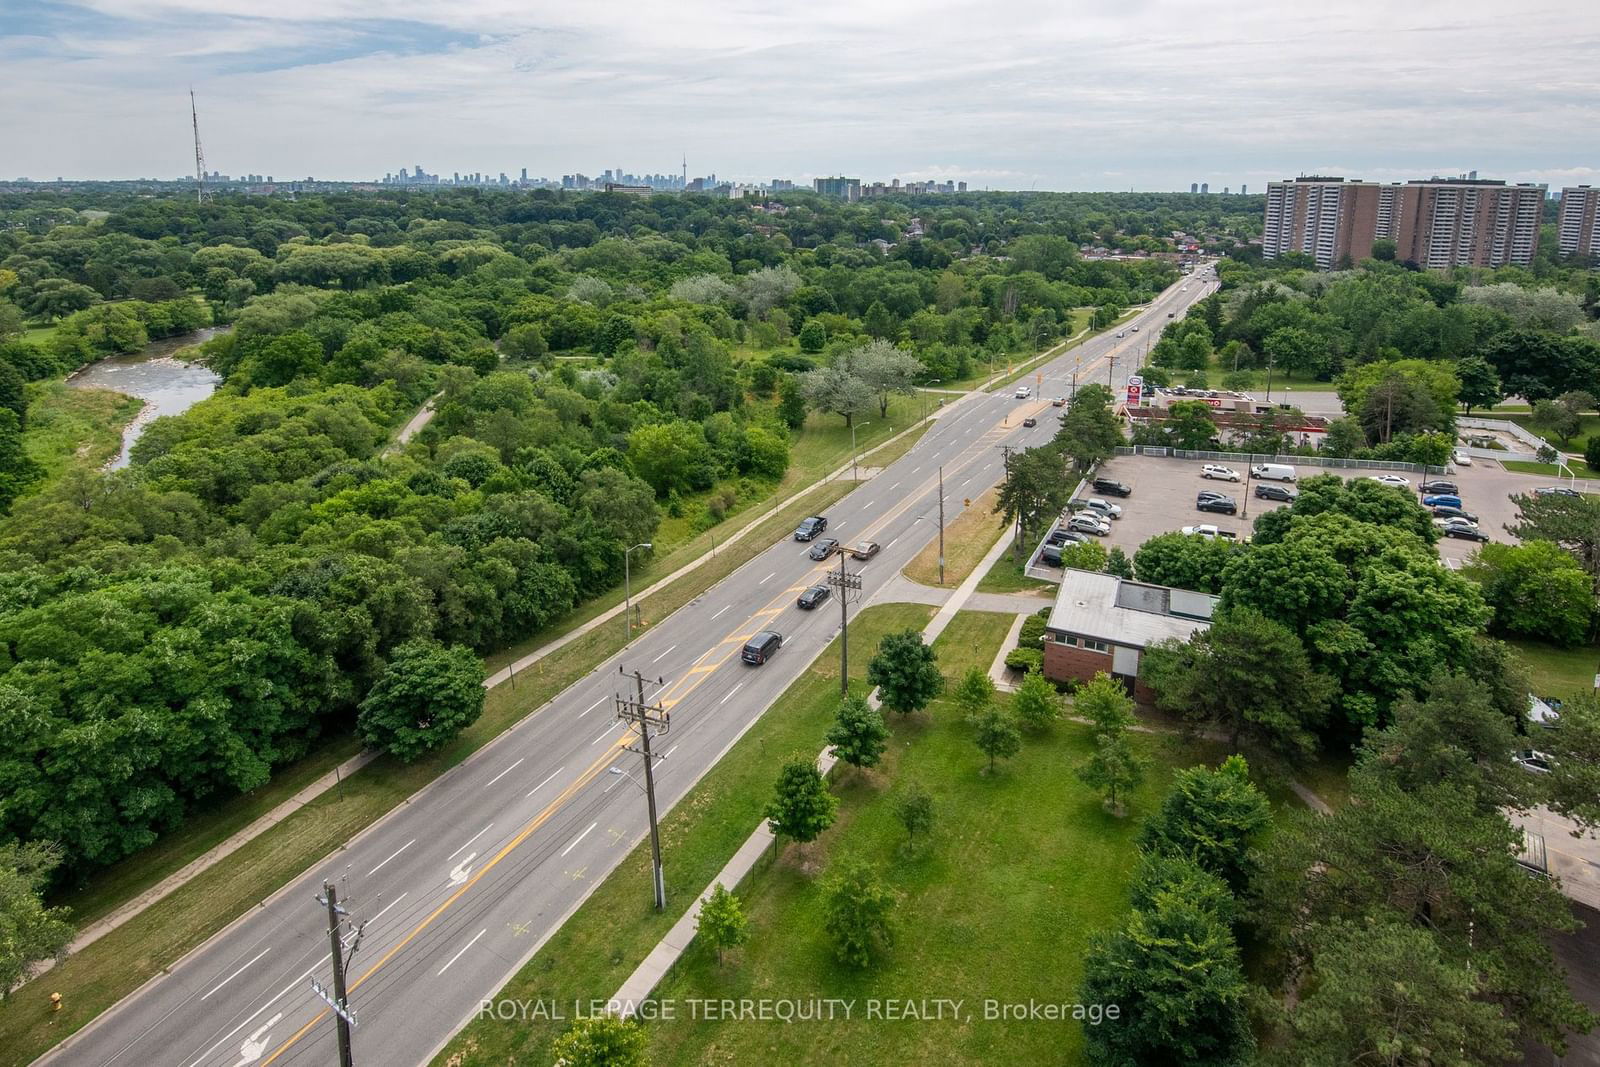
pixel 1273 472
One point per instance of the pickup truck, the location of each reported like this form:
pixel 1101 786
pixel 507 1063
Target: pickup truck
pixel 1210 532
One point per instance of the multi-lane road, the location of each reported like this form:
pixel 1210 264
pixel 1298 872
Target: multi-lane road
pixel 458 886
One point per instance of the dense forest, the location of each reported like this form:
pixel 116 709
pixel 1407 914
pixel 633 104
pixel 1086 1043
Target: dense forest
pixel 173 632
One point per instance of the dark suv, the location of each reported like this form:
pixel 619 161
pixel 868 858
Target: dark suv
pixel 1210 502
pixel 1111 487
pixel 761 647
pixel 1275 492
pixel 810 527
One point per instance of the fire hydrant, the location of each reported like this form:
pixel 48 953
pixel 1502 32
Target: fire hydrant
pixel 55 1001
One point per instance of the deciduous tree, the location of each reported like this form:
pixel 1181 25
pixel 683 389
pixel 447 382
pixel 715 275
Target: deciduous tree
pixel 857 912
pixel 427 694
pixel 996 735
pixel 801 806
pixel 722 922
pixel 29 931
pixel 859 734
pixel 905 672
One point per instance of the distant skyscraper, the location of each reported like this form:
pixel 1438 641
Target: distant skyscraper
pixel 1194 187
pixel 1244 190
pixel 839 188
pixel 1205 187
pixel 1578 231
pixel 1224 190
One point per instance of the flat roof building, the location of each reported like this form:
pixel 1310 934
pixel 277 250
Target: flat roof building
pixel 1578 226
pixel 1104 623
pixel 839 188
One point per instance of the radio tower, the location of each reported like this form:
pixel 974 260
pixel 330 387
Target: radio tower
pixel 685 171
pixel 199 159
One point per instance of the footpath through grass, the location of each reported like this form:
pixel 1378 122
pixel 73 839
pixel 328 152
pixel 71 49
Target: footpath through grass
pixel 604 940
pixel 966 541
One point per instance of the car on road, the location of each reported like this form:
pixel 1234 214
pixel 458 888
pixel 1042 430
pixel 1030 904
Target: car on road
pixel 1441 500
pixel 1219 472
pixel 1268 491
pixel 1111 487
pixel 1030 421
pixel 1532 760
pixel 1058 402
pixel 1391 479
pixel 1446 512
pixel 865 549
pixel 1022 393
pixel 1135 329
pixel 1172 314
pixel 812 597
pixel 1438 485
pixel 1101 507
pixel 1209 532
pixel 810 527
pixel 1460 458
pixel 1556 490
pixel 1226 505
pixel 1121 333
pixel 1088 522
pixel 761 647
pixel 823 547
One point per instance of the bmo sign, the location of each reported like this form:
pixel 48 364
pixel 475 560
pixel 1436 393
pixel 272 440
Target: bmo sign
pixel 1135 390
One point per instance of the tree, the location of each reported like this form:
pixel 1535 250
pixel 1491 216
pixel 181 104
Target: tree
pixel 427 694
pixel 1536 590
pixel 1480 385
pixel 801 806
pixel 1036 703
pixel 914 809
pixel 29 931
pixel 671 456
pixel 791 402
pixel 1384 992
pixel 887 371
pixel 1211 817
pixel 838 390
pixel 1089 431
pixel 1574 785
pixel 905 672
pixel 524 342
pixel 1106 705
pixel 1294 349
pixel 601 1041
pixel 1033 492
pixel 857 908
pixel 1247 676
pixel 1187 561
pixel 1114 768
pixel 859 734
pixel 997 736
pixel 13 393
pixel 1190 425
pixel 1571 522
pixel 974 692
pixel 1117 563
pixel 1591 452
pixel 813 337
pixel 722 922
pixel 1559 418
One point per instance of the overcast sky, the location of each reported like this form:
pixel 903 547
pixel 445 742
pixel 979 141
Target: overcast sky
pixel 1070 94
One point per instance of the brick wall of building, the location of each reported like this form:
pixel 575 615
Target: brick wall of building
pixel 1064 662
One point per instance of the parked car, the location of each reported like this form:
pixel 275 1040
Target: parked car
pixel 1209 531
pixel 823 547
pixel 1460 458
pixel 761 647
pixel 1466 532
pixel 1391 479
pixel 1058 402
pixel 1441 500
pixel 1438 485
pixel 1103 507
pixel 1111 487
pixel 1061 536
pixel 812 597
pixel 1223 504
pixel 1445 512
pixel 1219 472
pixel 1022 393
pixel 1086 522
pixel 1268 491
pixel 1532 760
pixel 865 549
pixel 1050 555
pixel 810 527
pixel 1556 490
pixel 1030 421
pixel 1273 472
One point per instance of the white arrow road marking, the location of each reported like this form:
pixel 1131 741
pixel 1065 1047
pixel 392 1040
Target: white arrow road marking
pixel 460 871
pixel 255 1046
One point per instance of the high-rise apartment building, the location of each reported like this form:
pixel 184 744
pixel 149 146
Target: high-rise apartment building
pixel 839 188
pixel 1578 227
pixel 1205 187
pixel 1438 222
pixel 1194 187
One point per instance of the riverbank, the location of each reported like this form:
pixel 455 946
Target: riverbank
pixel 157 377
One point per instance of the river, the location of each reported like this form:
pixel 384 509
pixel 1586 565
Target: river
pixel 167 385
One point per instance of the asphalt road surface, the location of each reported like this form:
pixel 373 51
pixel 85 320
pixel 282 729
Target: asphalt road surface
pixel 461 884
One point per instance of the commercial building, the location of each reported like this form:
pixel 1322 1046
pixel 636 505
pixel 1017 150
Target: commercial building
pixel 1104 623
pixel 1578 228
pixel 839 188
pixel 1436 223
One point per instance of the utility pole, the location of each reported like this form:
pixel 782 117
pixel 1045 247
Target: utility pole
pixel 843 584
pixel 1005 461
pixel 644 718
pixel 344 1018
pixel 941 525
pixel 1111 366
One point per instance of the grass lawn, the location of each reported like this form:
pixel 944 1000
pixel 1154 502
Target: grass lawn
pixel 1288 383
pixel 1006 577
pixel 1022 867
pixel 1558 672
pixel 67 425
pixel 966 540
pixel 604 940
pixel 38 334
pixel 1589 425
pixel 1576 466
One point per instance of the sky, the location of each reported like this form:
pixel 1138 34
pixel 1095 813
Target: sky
pixel 1010 94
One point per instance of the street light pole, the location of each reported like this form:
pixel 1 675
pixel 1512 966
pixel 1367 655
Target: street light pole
pixel 855 473
pixel 627 593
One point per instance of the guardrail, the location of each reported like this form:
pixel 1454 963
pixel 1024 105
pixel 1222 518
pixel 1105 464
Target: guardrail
pixel 1293 461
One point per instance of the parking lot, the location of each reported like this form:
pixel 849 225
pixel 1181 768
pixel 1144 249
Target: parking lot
pixel 1164 492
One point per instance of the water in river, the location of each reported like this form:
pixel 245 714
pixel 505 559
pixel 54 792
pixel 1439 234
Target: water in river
pixel 168 386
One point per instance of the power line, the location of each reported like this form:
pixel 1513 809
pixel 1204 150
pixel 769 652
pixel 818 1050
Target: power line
pixel 338 1001
pixel 844 583
pixel 645 717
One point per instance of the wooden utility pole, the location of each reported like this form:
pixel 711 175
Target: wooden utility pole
pixel 646 717
pixel 844 583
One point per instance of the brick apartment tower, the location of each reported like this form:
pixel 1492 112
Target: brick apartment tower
pixel 1578 231
pixel 1441 222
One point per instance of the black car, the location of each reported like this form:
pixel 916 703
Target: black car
pixel 1060 536
pixel 1445 511
pixel 1223 504
pixel 1211 494
pixel 760 648
pixel 823 548
pixel 1556 490
pixel 1438 486
pixel 1466 533
pixel 1030 421
pixel 1276 492
pixel 812 597
pixel 810 527
pixel 1111 487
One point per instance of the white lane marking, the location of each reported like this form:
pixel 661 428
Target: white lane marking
pixel 767 579
pixel 255 1046
pixel 916 468
pixel 580 837
pixel 386 907
pixel 890 544
pixel 469 841
pixel 591 707
pixel 893 487
pixel 602 737
pixel 392 855
pixel 732 691
pixel 546 782
pixel 503 773
pixel 669 751
pixel 669 649
pixel 616 780
pixel 237 973
pixel 720 611
pixel 839 525
pixel 463 951
pixel 459 872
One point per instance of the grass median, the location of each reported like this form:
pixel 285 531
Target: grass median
pixel 966 540
pixel 596 949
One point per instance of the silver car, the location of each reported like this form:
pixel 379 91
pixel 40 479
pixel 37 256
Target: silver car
pixel 1090 523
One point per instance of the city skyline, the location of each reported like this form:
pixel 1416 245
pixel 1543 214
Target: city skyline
pixel 1150 96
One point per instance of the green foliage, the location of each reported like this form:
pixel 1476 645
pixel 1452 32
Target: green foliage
pixel 1030 660
pixel 801 806
pixel 722 923
pixel 1031 635
pixel 858 735
pixel 996 735
pixel 914 809
pixel 29 931
pixel 426 695
pixel 1089 431
pixel 1033 492
pixel 1186 561
pixel 905 672
pixel 1085 556
pixel 857 912
pixel 601 1041
pixel 1117 563
pixel 1536 590
pixel 1574 786
pixel 974 692
pixel 1036 704
pixel 1106 705
pixel 1571 522
pixel 1212 818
